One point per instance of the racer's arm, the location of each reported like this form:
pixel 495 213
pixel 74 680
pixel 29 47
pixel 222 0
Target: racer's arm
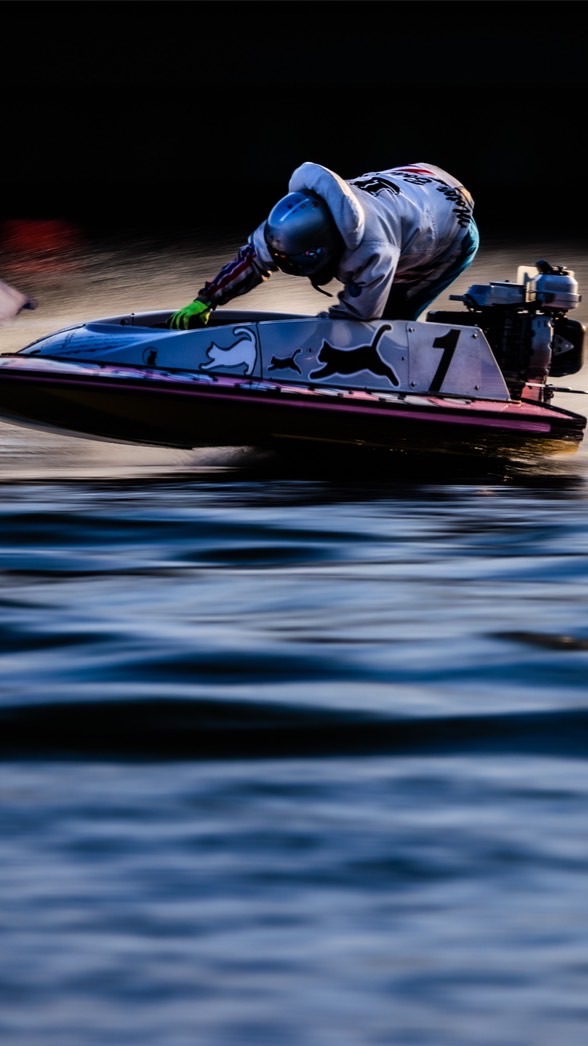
pixel 237 277
pixel 248 269
pixel 12 301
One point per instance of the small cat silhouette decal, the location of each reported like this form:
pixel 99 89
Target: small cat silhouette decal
pixel 285 362
pixel 352 361
pixel 241 354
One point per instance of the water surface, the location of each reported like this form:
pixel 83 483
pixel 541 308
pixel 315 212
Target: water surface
pixel 295 759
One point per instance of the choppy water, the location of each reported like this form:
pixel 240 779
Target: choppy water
pixel 286 760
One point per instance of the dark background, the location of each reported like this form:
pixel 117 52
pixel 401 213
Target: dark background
pixel 177 116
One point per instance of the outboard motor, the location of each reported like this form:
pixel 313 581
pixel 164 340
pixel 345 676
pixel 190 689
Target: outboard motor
pixel 526 324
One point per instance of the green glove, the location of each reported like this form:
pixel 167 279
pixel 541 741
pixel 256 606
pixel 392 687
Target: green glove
pixel 196 314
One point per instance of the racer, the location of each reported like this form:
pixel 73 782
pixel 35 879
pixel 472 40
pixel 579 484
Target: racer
pixel 395 239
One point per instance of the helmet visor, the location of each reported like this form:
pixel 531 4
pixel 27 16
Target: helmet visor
pixel 307 263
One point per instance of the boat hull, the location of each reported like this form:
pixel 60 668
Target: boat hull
pixel 156 408
pixel 270 380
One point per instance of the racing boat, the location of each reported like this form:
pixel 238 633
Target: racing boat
pixel 469 381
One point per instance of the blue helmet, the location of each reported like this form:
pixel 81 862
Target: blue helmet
pixel 302 237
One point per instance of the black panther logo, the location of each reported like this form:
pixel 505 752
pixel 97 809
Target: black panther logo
pixel 351 361
pixel 375 184
pixel 285 362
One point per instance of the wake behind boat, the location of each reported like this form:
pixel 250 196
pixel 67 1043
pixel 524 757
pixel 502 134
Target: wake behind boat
pixel 470 382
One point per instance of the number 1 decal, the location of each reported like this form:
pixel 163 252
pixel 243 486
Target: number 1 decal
pixel 448 344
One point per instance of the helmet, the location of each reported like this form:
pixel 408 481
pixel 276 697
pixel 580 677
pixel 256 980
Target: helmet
pixel 302 237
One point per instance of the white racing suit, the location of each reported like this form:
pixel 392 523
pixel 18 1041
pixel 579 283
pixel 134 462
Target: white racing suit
pixel 408 233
